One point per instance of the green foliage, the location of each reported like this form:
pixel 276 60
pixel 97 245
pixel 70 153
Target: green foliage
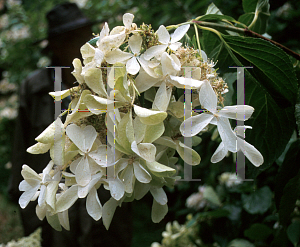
pixel 256 15
pixel 258 232
pixel 293 232
pixel 271 87
pixel 258 202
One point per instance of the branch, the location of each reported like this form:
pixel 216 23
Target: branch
pixel 250 33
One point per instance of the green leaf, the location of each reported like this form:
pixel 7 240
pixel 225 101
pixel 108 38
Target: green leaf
pixel 215 50
pixel 93 41
pixel 256 15
pixel 288 170
pixel 268 118
pixel 271 66
pixel 258 232
pixel 297 111
pixel 218 213
pixel 293 232
pixel 213 9
pixel 258 201
pixel 288 200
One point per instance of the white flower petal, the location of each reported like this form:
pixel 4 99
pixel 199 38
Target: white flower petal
pixel 227 135
pixel 117 30
pixel 154 51
pixel 24 185
pixel 102 156
pixel 135 43
pixel 187 83
pixel 39 148
pixel 87 50
pixel 82 173
pixel 127 20
pixel 158 211
pixel 51 193
pixel 47 136
pixel 117 56
pixel 99 105
pixel 67 199
pixel 208 97
pixel 219 154
pixel 116 188
pixel 53 221
pixel 153 132
pixel 104 32
pixel 82 138
pixel 163 35
pixel 141 173
pixel 93 78
pixel 83 191
pixel 149 117
pixel 57 150
pixel 204 56
pixel 144 150
pixel 98 58
pixel 112 41
pixel 140 189
pixel 29 174
pixel 238 112
pixel 74 164
pixel 41 211
pixel 128 178
pixel 144 81
pixel 108 211
pixel 27 196
pixel 63 218
pixel 160 170
pixel 145 65
pixel 132 66
pixel 139 129
pixel 253 155
pixel 162 98
pixel 179 33
pixel 166 141
pixel 169 66
pixel 175 46
pixel 195 124
pixel 93 205
pixel 42 196
pixel 159 195
pixel 59 95
pixel 189 155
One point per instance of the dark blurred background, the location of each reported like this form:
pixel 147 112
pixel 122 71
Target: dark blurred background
pixel 22 22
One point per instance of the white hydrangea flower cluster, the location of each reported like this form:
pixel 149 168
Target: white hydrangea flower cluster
pixel 230 179
pixel 33 240
pixel 111 139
